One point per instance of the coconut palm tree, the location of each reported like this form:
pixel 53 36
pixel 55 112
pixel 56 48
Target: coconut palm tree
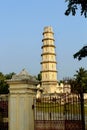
pixel 81 87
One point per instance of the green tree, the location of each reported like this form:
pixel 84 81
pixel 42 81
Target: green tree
pixel 39 77
pixel 3 85
pixel 81 80
pixel 72 83
pixel 81 53
pixel 9 76
pixel 80 76
pixel 81 87
pixel 73 6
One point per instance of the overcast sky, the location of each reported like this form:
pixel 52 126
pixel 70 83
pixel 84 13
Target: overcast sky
pixel 21 28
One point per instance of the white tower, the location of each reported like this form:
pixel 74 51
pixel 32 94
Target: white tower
pixel 49 71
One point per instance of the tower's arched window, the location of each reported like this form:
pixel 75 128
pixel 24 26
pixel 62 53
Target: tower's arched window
pixel 52 66
pixel 46 66
pixel 46 49
pixel 46 75
pixel 52 76
pixel 52 57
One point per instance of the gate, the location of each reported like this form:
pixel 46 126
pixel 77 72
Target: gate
pixel 3 112
pixel 59 112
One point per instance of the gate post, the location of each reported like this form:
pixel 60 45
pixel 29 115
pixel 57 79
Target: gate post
pixel 22 91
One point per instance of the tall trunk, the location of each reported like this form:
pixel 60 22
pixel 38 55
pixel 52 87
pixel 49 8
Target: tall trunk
pixel 82 110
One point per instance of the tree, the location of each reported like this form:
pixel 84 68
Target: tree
pixel 72 83
pixel 3 85
pixel 9 76
pixel 39 77
pixel 73 6
pixel 81 86
pixel 81 80
pixel 80 77
pixel 81 53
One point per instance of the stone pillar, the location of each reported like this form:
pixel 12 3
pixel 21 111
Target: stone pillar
pixel 22 92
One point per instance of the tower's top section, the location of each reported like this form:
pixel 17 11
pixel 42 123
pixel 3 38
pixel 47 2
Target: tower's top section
pixel 48 29
pixel 48 34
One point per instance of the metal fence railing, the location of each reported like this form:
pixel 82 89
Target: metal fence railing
pixel 58 112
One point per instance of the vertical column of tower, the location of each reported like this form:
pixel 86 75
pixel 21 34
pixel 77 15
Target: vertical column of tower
pixel 49 71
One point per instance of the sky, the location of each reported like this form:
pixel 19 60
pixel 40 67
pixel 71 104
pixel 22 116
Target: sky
pixel 21 27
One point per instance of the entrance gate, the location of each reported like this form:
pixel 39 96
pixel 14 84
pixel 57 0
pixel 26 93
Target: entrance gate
pixel 59 112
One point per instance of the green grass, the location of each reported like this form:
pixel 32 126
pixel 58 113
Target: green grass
pixel 85 108
pixel 58 108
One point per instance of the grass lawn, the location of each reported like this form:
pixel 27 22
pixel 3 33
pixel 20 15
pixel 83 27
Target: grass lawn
pixel 58 108
pixel 85 108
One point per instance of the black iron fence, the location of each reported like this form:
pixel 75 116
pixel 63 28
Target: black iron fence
pixel 3 112
pixel 85 109
pixel 58 112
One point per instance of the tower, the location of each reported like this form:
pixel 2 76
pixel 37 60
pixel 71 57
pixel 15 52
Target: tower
pixel 48 71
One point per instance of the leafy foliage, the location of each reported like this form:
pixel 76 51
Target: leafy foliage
pixel 73 6
pixel 9 76
pixel 81 80
pixel 4 87
pixel 81 53
pixel 38 77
